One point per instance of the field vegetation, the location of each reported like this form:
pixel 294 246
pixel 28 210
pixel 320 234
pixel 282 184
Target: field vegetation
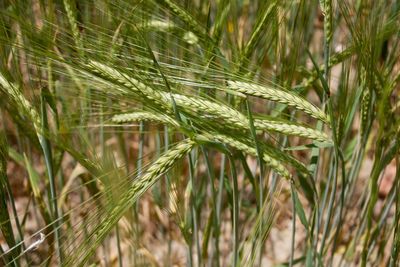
pixel 199 133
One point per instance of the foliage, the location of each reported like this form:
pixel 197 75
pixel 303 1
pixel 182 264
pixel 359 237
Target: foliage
pixel 216 114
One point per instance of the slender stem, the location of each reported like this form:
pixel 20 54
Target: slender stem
pixel 193 211
pixel 235 200
pixel 45 144
pixel 214 205
pixel 293 227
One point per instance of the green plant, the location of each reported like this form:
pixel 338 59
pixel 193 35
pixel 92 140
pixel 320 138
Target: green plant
pixel 206 117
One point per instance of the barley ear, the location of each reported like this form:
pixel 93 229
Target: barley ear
pixel 136 190
pixel 328 29
pixel 365 103
pixel 74 26
pixel 22 103
pixel 279 96
pixel 107 74
pixel 144 116
pixel 259 29
pixel 185 17
pixel 292 129
pixel 218 111
pixel 271 161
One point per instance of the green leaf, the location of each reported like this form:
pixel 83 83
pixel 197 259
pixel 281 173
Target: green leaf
pixel 299 209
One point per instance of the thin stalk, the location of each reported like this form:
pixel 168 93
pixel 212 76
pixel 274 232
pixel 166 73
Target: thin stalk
pixel 292 249
pixel 260 164
pixel 382 219
pixel 330 208
pixel 373 195
pixel 120 261
pixel 139 174
pixel 235 212
pixel 46 147
pixel 167 183
pixel 394 255
pixel 221 187
pixel 216 225
pixel 194 214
